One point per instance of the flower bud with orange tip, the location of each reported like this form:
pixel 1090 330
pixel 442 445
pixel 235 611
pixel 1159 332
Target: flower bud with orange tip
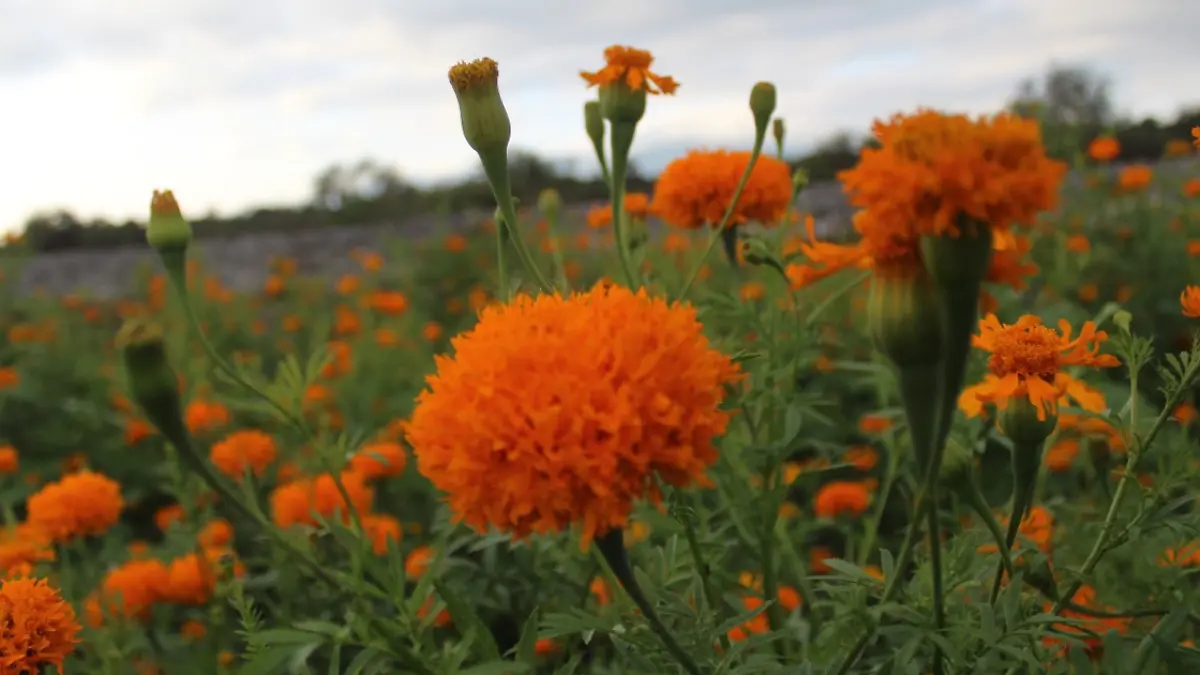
pixel 756 252
pixel 167 230
pixel 763 98
pixel 485 122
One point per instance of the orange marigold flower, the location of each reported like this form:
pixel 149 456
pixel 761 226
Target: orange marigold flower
pixel 9 378
pixel 9 460
pixel 1060 456
pixel 391 303
pixel 215 534
pixel 81 504
pixel 40 628
pixel 636 204
pixel 1027 361
pixel 789 599
pixel 556 410
pixel 128 591
pixel 379 460
pixel 933 170
pixel 695 190
pixel 1089 629
pixel 1196 136
pixel 632 66
pixel 240 451
pixel 380 529
pixel 1135 177
pixel 417 562
pixel 1104 149
pixel 1190 300
pixel 842 498
pixel 300 502
pixel 204 416
pixel 861 457
pixel 192 578
pixel 22 547
pixel 874 424
pixel 167 516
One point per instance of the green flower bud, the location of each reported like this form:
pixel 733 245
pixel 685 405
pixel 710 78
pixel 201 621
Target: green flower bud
pixel 762 104
pixel 550 203
pixel 167 230
pixel 485 122
pixel 152 382
pixel 756 252
pixel 777 131
pixel 593 122
pixel 621 104
pixel 904 318
pixel 959 262
pixel 799 180
pixel 1022 422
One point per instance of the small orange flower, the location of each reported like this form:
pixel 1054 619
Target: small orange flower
pixel 167 516
pixel 695 190
pixel 1196 136
pixel 192 578
pixel 215 534
pixel 1060 456
pixel 245 450
pixel 842 498
pixel 874 424
pixel 81 504
pixel 193 631
pixel 1027 361
pixel 752 290
pixel 128 591
pixel 40 628
pixel 862 457
pixel 1190 300
pixel 631 66
pixel 22 547
pixel 9 460
pixel 417 562
pixel 391 303
pixel 546 647
pixel 299 502
pixel 1135 177
pixel 1104 149
pixel 636 205
pixel 205 416
pixel 600 590
pixel 623 386
pixel 9 378
pixel 380 529
pixel 379 460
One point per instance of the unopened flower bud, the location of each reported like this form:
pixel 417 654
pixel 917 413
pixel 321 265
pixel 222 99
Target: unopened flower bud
pixel 904 318
pixel 762 104
pixel 152 382
pixel 167 230
pixel 485 122
pixel 593 122
pixel 550 203
pixel 777 132
pixel 799 180
pixel 1025 424
pixel 959 263
pixel 756 252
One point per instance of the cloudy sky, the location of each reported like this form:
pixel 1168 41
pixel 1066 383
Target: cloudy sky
pixel 236 104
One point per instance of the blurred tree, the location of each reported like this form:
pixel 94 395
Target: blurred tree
pixel 1067 95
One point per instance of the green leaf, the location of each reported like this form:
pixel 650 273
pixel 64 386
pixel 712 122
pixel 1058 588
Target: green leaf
pixel 527 646
pixel 468 622
pixel 362 660
pixel 496 668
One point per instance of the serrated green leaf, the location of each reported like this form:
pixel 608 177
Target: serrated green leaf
pixel 467 621
pixel 527 645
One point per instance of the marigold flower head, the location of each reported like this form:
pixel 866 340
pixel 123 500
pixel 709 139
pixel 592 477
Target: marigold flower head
pixel 379 460
pixel 1104 149
pixel 631 66
pixel 10 461
pixel 379 529
pixel 240 451
pixel 40 628
pixel 1134 178
pixel 842 498
pixel 1027 361
pixel 299 502
pixel 417 562
pixel 636 205
pixel 81 504
pixel 23 546
pixel 215 534
pixel 557 410
pixel 1190 301
pixel 192 578
pixel 695 190
pixel 205 416
pixel 933 170
pixel 128 591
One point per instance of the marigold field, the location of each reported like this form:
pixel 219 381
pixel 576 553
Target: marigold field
pixel 683 435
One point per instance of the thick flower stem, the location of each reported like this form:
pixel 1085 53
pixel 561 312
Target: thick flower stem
pixel 1025 468
pixel 622 143
pixel 612 548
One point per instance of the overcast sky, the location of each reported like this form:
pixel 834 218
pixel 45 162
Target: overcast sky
pixel 236 104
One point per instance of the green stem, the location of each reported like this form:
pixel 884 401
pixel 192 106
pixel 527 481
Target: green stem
pixel 612 549
pixel 496 170
pixel 760 136
pixel 729 241
pixel 622 142
pixel 556 253
pixel 501 263
pixel 1025 468
pixel 702 570
pixel 775 617
pixel 885 489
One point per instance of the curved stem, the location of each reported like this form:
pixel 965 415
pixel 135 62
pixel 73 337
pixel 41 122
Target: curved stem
pixel 496 171
pixel 622 142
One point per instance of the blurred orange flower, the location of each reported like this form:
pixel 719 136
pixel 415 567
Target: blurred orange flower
pixel 631 66
pixel 81 504
pixel 240 451
pixel 695 190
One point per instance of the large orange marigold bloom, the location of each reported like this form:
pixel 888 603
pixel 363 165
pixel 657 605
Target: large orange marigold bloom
pixel 1027 361
pixel 1190 300
pixel 695 190
pixel 241 450
pixel 933 170
pixel 558 410
pixel 81 504
pixel 631 66
pixel 40 628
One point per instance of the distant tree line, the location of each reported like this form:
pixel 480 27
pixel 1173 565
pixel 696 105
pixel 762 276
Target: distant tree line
pixel 1073 104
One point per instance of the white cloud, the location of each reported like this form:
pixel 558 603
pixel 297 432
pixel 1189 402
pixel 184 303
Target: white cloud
pixel 238 104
